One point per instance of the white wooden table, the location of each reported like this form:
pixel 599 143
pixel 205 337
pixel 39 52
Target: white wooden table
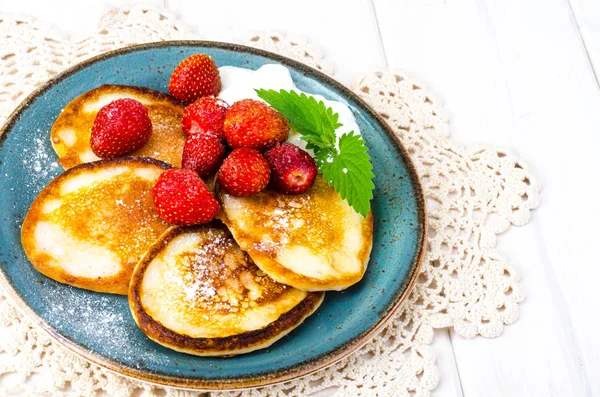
pixel 521 74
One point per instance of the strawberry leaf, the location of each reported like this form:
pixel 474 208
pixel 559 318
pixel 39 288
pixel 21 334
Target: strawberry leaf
pixel 350 172
pixel 346 166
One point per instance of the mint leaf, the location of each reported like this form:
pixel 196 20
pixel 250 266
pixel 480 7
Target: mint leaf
pixel 351 173
pixel 347 165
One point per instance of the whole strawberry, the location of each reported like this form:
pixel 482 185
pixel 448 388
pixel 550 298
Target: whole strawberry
pixel 206 115
pixel 119 128
pixel 181 197
pixel 293 169
pixel 195 77
pixel 244 172
pixel 255 125
pixel 202 154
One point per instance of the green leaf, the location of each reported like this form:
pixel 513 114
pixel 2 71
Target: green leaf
pixel 350 172
pixel 346 166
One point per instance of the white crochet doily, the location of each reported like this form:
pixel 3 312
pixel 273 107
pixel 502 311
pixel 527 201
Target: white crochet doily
pixel 472 195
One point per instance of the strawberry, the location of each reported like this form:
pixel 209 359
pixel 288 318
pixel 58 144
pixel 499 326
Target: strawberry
pixel 206 115
pixel 293 169
pixel 119 128
pixel 181 197
pixel 195 77
pixel 244 172
pixel 203 154
pixel 255 125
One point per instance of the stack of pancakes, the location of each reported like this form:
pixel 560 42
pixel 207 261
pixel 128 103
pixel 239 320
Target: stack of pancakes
pixel 221 289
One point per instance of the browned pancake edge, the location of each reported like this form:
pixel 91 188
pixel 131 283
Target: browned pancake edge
pixel 225 346
pixel 116 284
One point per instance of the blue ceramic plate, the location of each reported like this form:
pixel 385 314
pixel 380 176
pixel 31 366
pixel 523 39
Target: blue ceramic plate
pixel 100 327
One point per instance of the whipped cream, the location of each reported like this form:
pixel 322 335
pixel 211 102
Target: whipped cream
pixel 240 83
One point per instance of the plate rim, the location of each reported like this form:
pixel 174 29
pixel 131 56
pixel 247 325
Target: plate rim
pixel 270 377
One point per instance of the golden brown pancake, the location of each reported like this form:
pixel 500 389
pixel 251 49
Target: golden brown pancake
pixel 312 241
pixel 196 292
pixel 91 225
pixel 71 131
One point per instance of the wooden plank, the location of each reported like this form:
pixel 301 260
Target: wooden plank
pixel 516 74
pixel 450 381
pixel 536 356
pixel 348 35
pixel 587 17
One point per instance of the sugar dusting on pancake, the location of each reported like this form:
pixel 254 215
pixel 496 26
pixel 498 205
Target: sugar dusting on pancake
pixel 196 291
pixel 312 241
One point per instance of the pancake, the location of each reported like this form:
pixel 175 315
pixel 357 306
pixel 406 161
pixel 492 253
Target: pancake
pixel 313 241
pixel 91 225
pixel 196 292
pixel 71 131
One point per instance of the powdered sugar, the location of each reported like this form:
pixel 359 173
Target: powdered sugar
pixel 200 273
pixel 40 161
pixel 281 219
pixel 199 287
pixel 101 321
pixel 284 219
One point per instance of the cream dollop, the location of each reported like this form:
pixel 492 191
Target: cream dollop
pixel 240 83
